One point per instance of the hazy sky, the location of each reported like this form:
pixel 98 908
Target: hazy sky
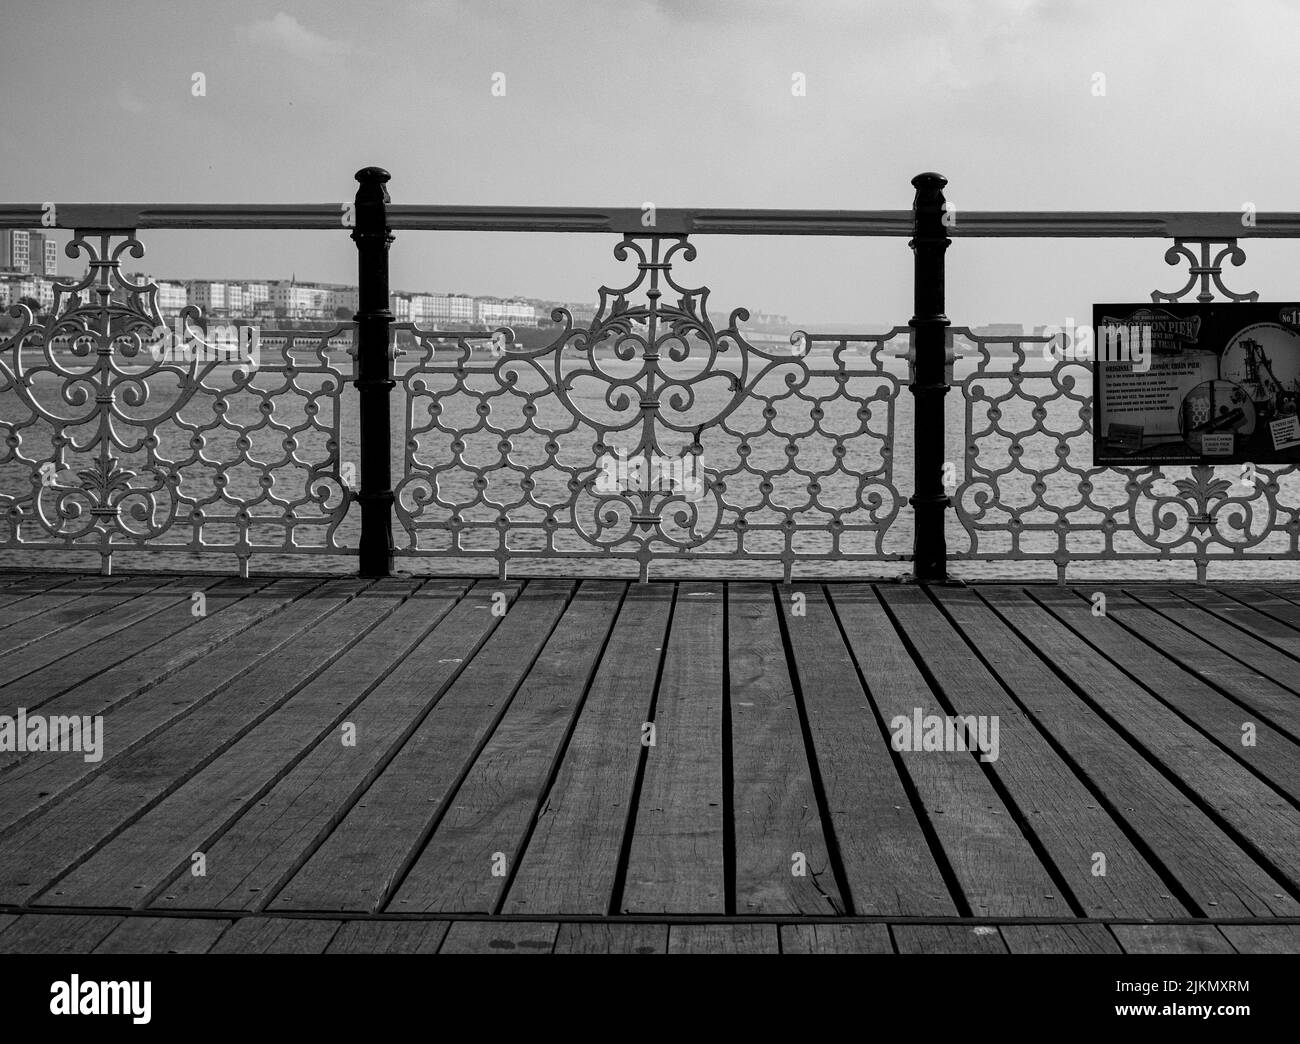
pixel 678 102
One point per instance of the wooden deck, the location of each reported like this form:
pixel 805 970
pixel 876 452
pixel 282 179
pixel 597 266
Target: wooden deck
pixel 335 765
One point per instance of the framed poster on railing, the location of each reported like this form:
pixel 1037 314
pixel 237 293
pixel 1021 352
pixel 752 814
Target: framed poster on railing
pixel 1195 383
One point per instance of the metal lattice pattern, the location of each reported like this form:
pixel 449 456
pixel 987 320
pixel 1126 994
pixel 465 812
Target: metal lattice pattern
pixel 120 434
pixel 1030 490
pixel 648 434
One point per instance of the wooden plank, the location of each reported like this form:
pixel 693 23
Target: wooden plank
pixel 1263 938
pixel 676 862
pixel 483 827
pixel 82 647
pixel 277 935
pixel 514 937
pixel 884 850
pixel 367 854
pixel 253 859
pixel 572 859
pixel 1191 849
pixel 1047 797
pixel 252 632
pixel 163 935
pixel 1066 816
pixel 1171 938
pixel 1282 670
pixel 835 938
pixel 56 933
pixel 1058 938
pixel 778 825
pixel 230 609
pixel 1274 755
pixel 947 938
pixel 1262 625
pixel 1191 651
pixel 1237 797
pixel 994 865
pixel 133 866
pixel 389 937
pixel 612 938
pixel 64 834
pixel 29 611
pixel 731 937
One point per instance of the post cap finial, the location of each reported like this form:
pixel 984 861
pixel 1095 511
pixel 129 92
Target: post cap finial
pixel 929 181
pixel 373 174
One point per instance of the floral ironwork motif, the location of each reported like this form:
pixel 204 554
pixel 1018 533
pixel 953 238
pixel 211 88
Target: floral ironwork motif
pixel 127 438
pixel 509 447
pixel 1031 492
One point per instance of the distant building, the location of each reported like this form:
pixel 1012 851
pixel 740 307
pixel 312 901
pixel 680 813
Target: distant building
pixel 14 287
pixel 494 312
pixel 22 251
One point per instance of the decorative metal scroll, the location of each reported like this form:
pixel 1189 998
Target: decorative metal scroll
pixel 1031 492
pixel 125 430
pixel 648 434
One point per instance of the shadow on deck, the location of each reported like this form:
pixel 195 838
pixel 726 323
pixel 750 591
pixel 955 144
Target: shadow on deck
pixel 312 764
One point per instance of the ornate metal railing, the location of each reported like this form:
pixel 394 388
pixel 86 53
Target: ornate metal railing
pixel 649 433
pixel 654 433
pixel 1030 490
pixel 123 431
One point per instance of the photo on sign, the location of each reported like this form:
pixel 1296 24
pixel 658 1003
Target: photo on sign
pixel 1197 383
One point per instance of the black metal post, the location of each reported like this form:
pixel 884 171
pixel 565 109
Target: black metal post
pixel 374 371
pixel 929 378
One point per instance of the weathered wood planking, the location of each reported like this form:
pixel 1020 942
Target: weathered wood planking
pixel 1254 621
pixel 277 935
pixel 571 863
pixel 1273 756
pixel 1263 938
pixel 947 938
pixel 512 937
pixel 75 933
pixel 28 610
pixel 33 783
pixel 389 937
pixel 1171 938
pixel 1213 871
pixel 319 690
pixel 1282 669
pixel 994 865
pixel 1250 688
pixel 465 864
pixel 731 937
pixel 835 938
pixel 884 850
pixel 1237 797
pixel 676 862
pixel 413 657
pixel 1059 938
pixel 164 935
pixel 131 616
pixel 782 859
pixel 1049 801
pixel 65 833
pixel 368 853
pixel 612 938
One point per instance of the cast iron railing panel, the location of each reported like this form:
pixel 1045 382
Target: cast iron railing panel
pixel 736 451
pixel 124 430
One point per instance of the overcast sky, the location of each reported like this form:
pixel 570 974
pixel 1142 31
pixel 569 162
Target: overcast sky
pixel 678 102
